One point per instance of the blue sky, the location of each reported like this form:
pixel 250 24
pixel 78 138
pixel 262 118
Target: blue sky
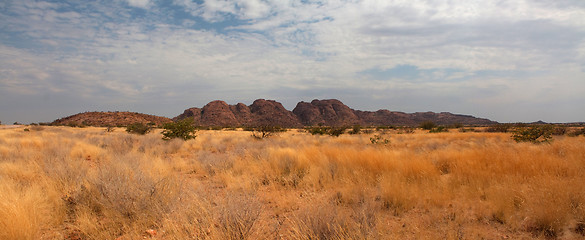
pixel 508 61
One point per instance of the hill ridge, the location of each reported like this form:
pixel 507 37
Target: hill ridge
pixel 328 112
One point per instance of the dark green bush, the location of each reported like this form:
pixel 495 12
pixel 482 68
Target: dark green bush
pixel 138 128
pixel 317 130
pixel 534 134
pixel 428 125
pixel 183 129
pixel 439 129
pixel 333 131
pixel 336 131
pixel 356 129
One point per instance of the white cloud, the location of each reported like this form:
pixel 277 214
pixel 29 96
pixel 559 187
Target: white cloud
pixel 298 45
pixel 140 3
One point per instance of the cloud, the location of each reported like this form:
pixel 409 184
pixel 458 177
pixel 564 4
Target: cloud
pixel 371 52
pixel 140 3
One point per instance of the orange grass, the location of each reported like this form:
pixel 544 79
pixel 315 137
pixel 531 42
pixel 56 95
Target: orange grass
pixel 69 183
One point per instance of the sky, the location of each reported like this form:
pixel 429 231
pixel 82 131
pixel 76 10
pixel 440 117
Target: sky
pixel 508 61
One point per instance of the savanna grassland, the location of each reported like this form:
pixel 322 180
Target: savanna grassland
pixel 86 183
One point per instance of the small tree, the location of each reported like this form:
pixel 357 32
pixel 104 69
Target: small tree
pixel 138 128
pixel 183 129
pixel 266 131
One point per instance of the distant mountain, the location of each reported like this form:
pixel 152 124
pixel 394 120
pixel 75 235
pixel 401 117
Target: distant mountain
pixel 329 112
pixel 104 119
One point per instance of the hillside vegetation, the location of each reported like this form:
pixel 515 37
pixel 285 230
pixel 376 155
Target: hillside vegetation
pixel 86 183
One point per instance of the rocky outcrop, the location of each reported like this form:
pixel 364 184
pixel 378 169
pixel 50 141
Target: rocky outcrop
pixel 329 112
pixel 106 119
pixel 272 113
pixel 261 112
pixel 218 113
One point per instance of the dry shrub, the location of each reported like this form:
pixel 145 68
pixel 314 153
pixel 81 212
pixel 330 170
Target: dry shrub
pixel 25 210
pixel 329 221
pixel 397 195
pixel 238 215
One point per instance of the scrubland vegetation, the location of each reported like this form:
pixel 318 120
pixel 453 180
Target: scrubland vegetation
pixel 89 183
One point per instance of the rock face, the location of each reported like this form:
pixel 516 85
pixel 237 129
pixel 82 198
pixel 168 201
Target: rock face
pixel 218 113
pixel 105 119
pixel 272 113
pixel 261 112
pixel 329 112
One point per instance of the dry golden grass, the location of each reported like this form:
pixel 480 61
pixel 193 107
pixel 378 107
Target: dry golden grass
pixel 71 183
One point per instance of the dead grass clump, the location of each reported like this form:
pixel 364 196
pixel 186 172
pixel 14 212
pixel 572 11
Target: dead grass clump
pixel 238 216
pixel 25 210
pixel 329 221
pixel 123 199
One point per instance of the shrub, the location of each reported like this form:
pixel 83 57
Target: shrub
pixel 439 129
pixel 183 129
pixel 466 130
pixel 534 134
pixel 505 127
pixel 356 129
pixel 577 132
pixel 332 131
pixel 138 128
pixel 559 130
pixel 317 130
pixel 427 125
pixel 378 139
pixel 266 131
pixel 336 131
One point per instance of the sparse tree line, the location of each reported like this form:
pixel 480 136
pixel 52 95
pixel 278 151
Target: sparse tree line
pixel 185 129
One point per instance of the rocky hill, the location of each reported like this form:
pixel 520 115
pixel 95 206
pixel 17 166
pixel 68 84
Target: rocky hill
pixel 104 119
pixel 261 112
pixel 329 112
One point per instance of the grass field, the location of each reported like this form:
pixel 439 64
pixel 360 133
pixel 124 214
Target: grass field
pixel 85 183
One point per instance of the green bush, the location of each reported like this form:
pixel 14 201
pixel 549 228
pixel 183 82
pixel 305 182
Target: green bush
pixel 534 134
pixel 333 131
pixel 427 125
pixel 138 128
pixel 336 131
pixel 266 131
pixel 503 127
pixel 317 130
pixel 439 129
pixel 183 129
pixel 378 139
pixel 356 129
